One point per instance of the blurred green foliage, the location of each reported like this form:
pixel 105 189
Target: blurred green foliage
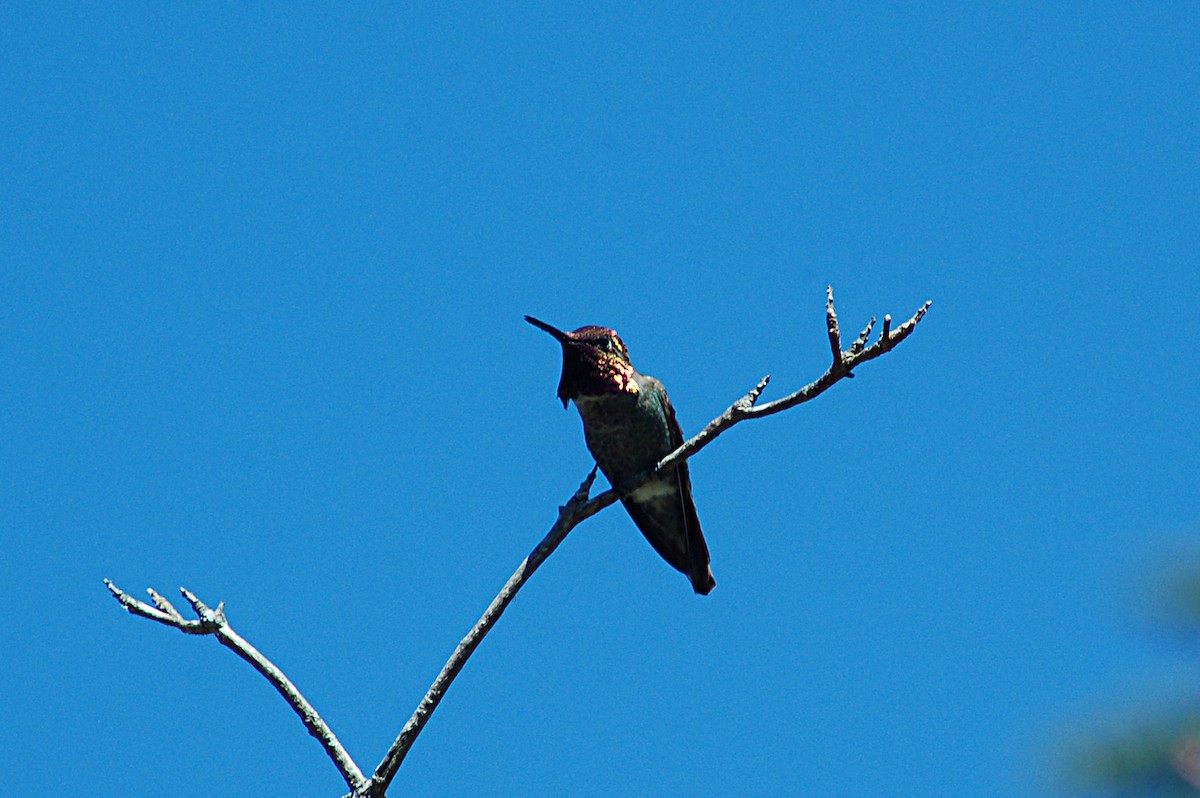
pixel 1156 753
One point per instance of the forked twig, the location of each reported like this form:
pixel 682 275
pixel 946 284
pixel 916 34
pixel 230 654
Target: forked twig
pixel 213 622
pixel 577 510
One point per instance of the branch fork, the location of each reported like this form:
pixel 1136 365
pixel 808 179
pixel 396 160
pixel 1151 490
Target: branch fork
pixel 213 622
pixel 578 508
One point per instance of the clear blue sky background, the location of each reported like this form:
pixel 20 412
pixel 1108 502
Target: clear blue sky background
pixel 263 273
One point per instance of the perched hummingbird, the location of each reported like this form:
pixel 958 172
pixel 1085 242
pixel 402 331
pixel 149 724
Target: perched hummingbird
pixel 629 426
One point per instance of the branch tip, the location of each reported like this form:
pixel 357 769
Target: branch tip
pixel 202 609
pixel 758 389
pixel 747 402
pixel 127 601
pixel 861 341
pixel 164 605
pixel 831 324
pixel 889 340
pixel 585 487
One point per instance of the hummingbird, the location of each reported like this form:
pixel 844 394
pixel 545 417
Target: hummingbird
pixel 629 425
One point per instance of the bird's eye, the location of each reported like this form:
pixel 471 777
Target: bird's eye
pixel 605 343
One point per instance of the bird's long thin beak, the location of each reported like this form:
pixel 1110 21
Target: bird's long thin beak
pixel 558 334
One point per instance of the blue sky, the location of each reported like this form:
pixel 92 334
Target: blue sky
pixel 263 280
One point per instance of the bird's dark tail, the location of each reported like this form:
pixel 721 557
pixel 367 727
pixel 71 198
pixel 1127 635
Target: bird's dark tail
pixel 703 583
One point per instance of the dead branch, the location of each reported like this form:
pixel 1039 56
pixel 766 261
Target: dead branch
pixel 578 509
pixel 569 516
pixel 213 622
pixel 844 363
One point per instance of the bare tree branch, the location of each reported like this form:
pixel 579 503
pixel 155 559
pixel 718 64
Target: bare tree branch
pixel 213 622
pixel 842 366
pixel 578 509
pixel 569 517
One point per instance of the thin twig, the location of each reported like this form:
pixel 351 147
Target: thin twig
pixel 843 364
pixel 213 622
pixel 569 516
pixel 831 323
pixel 863 337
